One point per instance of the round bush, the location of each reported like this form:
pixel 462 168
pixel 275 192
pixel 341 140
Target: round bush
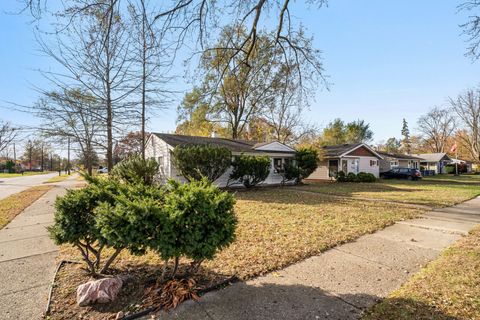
pixel 250 170
pixel 202 217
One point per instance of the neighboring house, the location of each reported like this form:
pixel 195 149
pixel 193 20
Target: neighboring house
pixel 160 145
pixel 396 160
pixel 434 161
pixel 355 158
pixel 468 164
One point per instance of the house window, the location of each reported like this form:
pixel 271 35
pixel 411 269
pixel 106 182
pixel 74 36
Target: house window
pixel 373 163
pixel 393 164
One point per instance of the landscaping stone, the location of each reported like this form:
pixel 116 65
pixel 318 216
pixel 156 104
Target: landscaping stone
pixel 98 291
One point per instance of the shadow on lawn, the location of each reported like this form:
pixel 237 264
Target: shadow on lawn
pixel 312 194
pixel 274 301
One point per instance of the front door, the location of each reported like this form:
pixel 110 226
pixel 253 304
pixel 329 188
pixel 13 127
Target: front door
pixel 345 166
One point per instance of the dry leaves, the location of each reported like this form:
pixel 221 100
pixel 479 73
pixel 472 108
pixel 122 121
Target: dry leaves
pixel 171 294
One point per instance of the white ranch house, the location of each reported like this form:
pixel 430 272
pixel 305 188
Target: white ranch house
pixel 160 145
pixel 355 158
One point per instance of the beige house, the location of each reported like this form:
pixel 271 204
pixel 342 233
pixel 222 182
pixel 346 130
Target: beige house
pixel 355 158
pixel 396 160
pixel 160 145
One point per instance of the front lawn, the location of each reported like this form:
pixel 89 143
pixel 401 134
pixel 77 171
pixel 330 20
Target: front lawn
pixel 448 288
pixel 436 191
pixel 277 227
pixel 11 206
pixel 27 173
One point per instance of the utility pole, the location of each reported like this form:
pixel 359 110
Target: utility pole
pixel 42 159
pixel 51 161
pixel 68 155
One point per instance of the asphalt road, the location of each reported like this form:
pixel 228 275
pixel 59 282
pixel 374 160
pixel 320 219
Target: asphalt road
pixel 9 186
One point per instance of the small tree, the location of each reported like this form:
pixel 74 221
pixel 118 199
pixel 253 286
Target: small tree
pixel 75 222
pixel 291 172
pixel 307 161
pixel 198 161
pixel 203 220
pixel 250 170
pixel 136 170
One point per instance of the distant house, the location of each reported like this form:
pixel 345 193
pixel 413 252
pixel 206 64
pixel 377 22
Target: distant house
pixel 355 158
pixel 160 145
pixel 434 161
pixel 468 164
pixel 395 160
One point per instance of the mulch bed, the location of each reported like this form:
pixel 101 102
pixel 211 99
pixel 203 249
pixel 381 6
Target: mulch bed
pixel 141 292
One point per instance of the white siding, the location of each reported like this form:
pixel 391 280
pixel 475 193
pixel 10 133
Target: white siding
pixel 366 167
pixel 156 148
pixel 275 146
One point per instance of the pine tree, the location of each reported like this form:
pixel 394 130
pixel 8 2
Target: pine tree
pixel 406 144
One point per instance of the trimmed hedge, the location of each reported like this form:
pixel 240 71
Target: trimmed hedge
pixel 250 170
pixel 352 177
pixel 194 220
pixel 196 162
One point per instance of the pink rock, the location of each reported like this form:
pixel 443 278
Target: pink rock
pixel 98 291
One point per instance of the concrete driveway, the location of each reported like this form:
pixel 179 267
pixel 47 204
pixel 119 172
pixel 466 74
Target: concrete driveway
pixel 9 186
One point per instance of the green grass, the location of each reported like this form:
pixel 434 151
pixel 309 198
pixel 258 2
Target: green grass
pixel 11 206
pixel 28 173
pixel 448 288
pixel 437 191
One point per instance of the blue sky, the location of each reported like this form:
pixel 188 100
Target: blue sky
pixel 386 60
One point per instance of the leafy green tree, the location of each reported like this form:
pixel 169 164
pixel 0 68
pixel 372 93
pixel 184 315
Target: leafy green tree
pixel 136 170
pixel 250 170
pixel 392 145
pixel 198 161
pixel 358 131
pixel 339 132
pixel 307 161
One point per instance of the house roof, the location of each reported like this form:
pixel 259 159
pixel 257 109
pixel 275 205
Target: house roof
pixel 343 149
pixel 231 144
pixel 433 157
pixel 399 156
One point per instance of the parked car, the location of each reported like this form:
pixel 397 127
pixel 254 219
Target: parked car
pixel 402 173
pixel 102 170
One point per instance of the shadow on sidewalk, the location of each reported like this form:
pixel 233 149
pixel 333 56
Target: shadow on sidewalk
pixel 274 301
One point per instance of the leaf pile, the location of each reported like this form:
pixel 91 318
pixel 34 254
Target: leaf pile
pixel 171 294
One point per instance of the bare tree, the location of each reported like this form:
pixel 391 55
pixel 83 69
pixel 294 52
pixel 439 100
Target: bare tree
pixel 467 108
pixel 73 115
pixel 93 49
pixel 436 127
pixel 471 29
pixel 201 20
pixel 151 56
pixel 7 134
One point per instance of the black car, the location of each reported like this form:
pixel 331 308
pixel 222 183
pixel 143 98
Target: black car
pixel 402 173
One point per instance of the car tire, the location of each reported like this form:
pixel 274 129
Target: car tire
pixel 409 178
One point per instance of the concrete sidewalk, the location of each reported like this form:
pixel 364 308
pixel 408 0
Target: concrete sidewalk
pixel 27 258
pixel 341 282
